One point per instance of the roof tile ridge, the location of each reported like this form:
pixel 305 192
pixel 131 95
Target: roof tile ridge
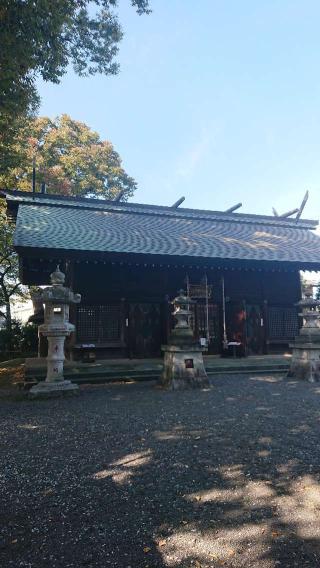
pixel 158 210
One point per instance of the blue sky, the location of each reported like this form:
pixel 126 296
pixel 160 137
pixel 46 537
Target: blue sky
pixel 216 100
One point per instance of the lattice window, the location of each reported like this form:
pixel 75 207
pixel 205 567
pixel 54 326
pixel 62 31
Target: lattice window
pixel 110 322
pixel 282 323
pixel 202 319
pixel 291 324
pixel 99 324
pixel 200 290
pixel 87 324
pixel 199 315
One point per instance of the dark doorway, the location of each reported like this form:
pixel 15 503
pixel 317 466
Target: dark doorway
pixel 254 329
pixel 145 327
pixel 206 326
pixel 236 325
pixel 245 324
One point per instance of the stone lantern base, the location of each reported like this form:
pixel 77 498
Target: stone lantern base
pixel 305 363
pixel 45 389
pixel 183 368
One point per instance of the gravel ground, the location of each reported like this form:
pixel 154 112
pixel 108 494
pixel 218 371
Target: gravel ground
pixel 127 475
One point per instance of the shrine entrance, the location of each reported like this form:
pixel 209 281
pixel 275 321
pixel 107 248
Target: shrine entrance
pixel 255 329
pixel 205 321
pixel 245 325
pixel 145 330
pixel 206 325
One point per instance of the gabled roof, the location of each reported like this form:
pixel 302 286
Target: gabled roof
pixel 14 198
pixel 54 222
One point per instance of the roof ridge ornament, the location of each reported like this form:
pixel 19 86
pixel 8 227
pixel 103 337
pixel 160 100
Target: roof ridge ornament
pixel 302 206
pixel 233 208
pixel 15 199
pixel 119 196
pixel 297 210
pixel 177 203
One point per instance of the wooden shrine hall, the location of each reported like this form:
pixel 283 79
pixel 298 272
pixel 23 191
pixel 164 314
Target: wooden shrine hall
pixel 128 261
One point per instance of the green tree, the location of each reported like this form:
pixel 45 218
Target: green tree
pixel 10 285
pixel 41 38
pixel 70 158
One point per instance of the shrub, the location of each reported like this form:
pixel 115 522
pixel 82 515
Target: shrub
pixel 22 338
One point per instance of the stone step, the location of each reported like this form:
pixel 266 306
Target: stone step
pixel 113 375
pixel 247 369
pixel 155 368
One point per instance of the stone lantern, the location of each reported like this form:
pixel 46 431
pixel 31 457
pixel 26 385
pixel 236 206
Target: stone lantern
pixel 183 361
pixel 305 363
pixel 56 327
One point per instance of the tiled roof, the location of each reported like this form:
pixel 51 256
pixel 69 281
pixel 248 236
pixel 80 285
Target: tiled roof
pixel 19 197
pixel 140 229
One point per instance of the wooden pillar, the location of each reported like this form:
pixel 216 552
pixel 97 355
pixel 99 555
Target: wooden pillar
pixel 124 327
pixel 264 311
pixel 244 331
pixel 266 327
pixel 70 282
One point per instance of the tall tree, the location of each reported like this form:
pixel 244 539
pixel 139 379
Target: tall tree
pixel 41 38
pixel 70 158
pixel 10 286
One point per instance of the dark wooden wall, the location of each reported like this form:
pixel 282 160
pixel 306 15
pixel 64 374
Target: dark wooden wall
pixel 260 308
pixel 97 282
pixel 255 302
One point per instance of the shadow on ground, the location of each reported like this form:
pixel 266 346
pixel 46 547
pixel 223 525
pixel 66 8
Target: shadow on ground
pixel 131 476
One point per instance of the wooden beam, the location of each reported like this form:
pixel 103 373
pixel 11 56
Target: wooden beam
pixel 177 203
pixel 233 208
pixel 119 196
pixel 302 206
pixel 289 213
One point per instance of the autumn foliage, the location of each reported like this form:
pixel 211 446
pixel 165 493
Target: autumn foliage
pixel 70 159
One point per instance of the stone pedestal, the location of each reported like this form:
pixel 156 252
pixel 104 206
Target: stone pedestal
pixel 183 360
pixel 55 388
pixel 56 328
pixel 183 368
pixel 305 363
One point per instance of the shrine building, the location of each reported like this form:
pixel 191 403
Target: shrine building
pixel 128 260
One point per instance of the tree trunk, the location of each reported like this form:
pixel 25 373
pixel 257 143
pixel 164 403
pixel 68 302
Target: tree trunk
pixel 8 316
